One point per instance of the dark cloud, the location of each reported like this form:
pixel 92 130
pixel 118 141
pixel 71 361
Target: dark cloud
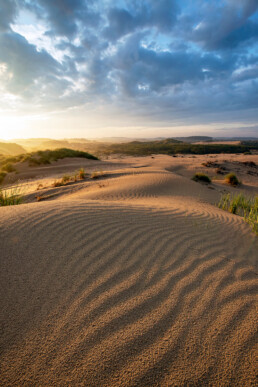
pixel 8 12
pixel 220 27
pixel 65 17
pixel 167 58
pixel 144 14
pixel 25 64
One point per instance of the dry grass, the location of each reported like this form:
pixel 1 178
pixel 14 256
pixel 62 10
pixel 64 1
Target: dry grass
pixel 67 179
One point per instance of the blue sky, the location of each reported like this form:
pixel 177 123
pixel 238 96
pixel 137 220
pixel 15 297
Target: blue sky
pixel 84 68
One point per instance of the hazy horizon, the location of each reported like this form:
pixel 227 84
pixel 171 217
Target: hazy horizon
pixel 139 69
pixel 121 138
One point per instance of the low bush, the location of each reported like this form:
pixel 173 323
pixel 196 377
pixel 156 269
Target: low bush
pixel 232 179
pixel 201 177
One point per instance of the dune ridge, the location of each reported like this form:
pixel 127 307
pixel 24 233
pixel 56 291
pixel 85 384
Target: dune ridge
pixel 142 282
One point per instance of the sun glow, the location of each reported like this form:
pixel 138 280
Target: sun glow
pixel 18 126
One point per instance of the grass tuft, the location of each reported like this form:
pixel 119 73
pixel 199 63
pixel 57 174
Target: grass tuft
pixel 242 206
pixel 95 175
pixel 232 179
pixel 10 197
pixel 66 179
pixel 201 177
pixel 81 174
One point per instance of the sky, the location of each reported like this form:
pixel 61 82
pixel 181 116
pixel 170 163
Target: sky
pixel 131 68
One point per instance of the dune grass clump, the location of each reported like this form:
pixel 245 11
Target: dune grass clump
pixel 201 177
pixel 47 156
pixel 10 197
pixel 242 206
pixel 66 179
pixel 81 174
pixel 97 174
pixel 232 179
pixel 94 175
pixel 2 176
pixel 8 167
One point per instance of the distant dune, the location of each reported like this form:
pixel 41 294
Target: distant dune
pixel 12 149
pixel 135 278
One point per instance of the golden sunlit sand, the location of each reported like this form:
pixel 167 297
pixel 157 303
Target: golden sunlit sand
pixel 133 279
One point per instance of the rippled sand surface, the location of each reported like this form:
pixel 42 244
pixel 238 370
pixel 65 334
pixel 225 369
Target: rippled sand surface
pixel 137 281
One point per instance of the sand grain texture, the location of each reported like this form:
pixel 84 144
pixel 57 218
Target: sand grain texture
pixel 139 282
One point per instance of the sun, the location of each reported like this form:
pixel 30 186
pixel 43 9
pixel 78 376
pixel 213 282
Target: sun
pixel 13 127
pixel 10 127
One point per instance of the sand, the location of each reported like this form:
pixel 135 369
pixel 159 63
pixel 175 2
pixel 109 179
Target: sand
pixel 135 279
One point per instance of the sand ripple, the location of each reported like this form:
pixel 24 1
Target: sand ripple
pixel 132 285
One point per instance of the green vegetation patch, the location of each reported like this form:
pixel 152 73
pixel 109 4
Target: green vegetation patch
pixel 170 146
pixel 47 156
pixel 201 177
pixel 42 157
pixel 232 179
pixel 10 197
pixel 242 206
pixel 8 167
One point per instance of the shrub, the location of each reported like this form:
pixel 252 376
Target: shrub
pixel 232 179
pixel 201 177
pixel 8 167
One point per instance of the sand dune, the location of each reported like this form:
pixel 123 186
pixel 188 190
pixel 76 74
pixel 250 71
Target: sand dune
pixel 135 281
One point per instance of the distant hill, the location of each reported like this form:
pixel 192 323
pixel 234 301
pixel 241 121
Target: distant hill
pixel 33 144
pixel 102 146
pixel 11 149
pixel 192 139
